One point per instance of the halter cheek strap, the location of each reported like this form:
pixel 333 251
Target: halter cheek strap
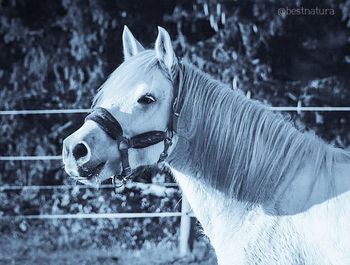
pixel 178 97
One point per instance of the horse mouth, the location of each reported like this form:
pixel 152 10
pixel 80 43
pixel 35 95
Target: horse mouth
pixel 92 172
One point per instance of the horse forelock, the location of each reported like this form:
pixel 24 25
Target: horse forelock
pixel 238 145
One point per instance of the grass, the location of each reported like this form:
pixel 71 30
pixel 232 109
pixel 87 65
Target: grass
pixel 19 250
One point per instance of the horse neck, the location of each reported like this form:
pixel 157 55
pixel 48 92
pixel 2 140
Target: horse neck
pixel 216 214
pixel 241 149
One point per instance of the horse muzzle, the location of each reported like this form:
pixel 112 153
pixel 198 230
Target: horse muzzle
pixel 89 155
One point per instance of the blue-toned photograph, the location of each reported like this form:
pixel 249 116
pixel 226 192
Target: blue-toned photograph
pixel 202 132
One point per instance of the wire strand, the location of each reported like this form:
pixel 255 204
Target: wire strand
pixel 43 111
pixel 72 111
pixel 98 215
pixel 52 187
pixel 300 109
pixel 29 158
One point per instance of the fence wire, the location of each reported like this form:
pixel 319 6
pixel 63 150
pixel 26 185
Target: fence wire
pixel 297 109
pixel 52 187
pixel 97 215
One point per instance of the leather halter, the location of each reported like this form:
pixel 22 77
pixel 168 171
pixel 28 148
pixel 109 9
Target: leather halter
pixel 113 129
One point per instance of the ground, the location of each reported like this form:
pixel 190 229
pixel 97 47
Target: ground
pixel 23 251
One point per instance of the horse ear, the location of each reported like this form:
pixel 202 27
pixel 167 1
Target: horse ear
pixel 131 46
pixel 164 50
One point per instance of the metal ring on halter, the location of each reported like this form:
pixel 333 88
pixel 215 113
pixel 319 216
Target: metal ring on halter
pixel 119 183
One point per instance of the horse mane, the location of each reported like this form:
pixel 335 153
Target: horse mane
pixel 234 144
pixel 238 145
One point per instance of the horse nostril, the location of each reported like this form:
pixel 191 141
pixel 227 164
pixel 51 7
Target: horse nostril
pixel 80 150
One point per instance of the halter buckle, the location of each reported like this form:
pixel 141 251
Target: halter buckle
pixel 167 143
pixel 162 157
pixel 119 181
pixel 124 144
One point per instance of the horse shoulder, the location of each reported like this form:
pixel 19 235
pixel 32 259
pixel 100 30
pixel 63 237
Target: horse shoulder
pixel 241 236
pixel 233 231
pixel 323 230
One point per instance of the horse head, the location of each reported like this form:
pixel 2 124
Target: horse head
pixel 131 122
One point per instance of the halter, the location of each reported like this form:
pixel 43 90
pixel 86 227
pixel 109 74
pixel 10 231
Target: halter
pixel 114 130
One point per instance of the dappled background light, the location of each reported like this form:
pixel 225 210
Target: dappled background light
pixel 56 54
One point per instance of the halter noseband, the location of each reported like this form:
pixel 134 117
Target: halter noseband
pixel 114 130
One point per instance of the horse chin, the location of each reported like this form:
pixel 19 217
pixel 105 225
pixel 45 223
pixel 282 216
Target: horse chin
pixel 93 176
pixel 94 183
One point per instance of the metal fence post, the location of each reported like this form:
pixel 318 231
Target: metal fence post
pixel 185 227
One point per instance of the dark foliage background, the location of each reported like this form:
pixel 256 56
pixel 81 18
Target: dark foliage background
pixel 55 54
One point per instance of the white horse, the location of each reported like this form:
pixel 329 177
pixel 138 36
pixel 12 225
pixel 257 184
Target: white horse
pixel 264 192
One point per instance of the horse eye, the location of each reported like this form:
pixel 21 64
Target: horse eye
pixel 146 100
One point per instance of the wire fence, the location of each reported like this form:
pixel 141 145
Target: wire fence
pixel 185 213
pixel 29 158
pixel 298 108
pixel 77 186
pixel 99 215
pixel 44 111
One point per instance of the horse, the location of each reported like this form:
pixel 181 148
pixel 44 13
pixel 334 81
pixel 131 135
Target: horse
pixel 264 191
